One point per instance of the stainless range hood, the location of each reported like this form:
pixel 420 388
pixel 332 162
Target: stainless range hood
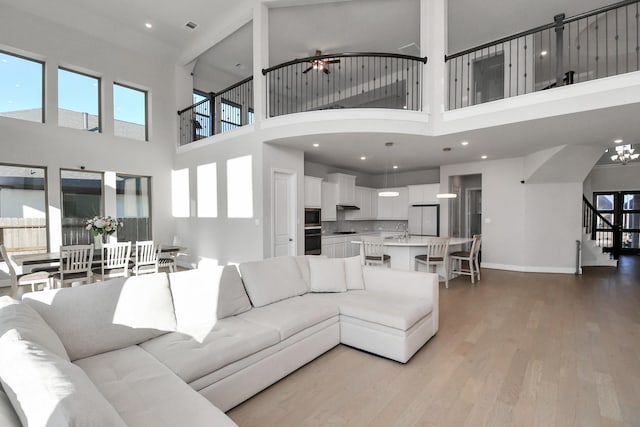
pixel 347 208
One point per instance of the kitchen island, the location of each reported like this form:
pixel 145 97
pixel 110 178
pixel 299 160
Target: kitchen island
pixel 404 250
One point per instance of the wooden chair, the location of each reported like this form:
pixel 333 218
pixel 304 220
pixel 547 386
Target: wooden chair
pixel 146 257
pixel 373 249
pixel 115 260
pixel 168 262
pixel 75 265
pixel 30 279
pixel 437 253
pixel 471 258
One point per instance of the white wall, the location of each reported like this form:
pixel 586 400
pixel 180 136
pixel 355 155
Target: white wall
pixel 612 178
pixel 525 227
pixel 48 145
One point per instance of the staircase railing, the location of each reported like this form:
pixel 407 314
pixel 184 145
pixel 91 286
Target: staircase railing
pixel 599 43
pixel 601 230
pixel 226 110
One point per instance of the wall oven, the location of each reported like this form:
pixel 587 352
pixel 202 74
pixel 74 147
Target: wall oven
pixel 313 241
pixel 312 217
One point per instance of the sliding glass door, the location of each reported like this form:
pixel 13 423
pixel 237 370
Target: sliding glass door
pixel 82 198
pixel 133 202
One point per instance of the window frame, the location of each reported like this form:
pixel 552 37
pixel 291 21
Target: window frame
pixel 146 107
pixel 129 175
pixel 43 79
pixel 46 197
pixel 70 70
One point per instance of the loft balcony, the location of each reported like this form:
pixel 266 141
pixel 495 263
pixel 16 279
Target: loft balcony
pixel 520 73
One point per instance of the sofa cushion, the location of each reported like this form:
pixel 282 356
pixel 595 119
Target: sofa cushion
pixel 46 390
pixel 192 356
pixel 272 280
pixel 147 393
pixel 292 315
pixel 353 273
pixel 327 275
pixel 204 295
pixel 8 416
pixel 29 326
pixel 303 265
pixel 104 316
pixel 396 312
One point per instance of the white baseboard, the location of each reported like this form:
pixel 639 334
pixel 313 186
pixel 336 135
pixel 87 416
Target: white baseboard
pixel 528 268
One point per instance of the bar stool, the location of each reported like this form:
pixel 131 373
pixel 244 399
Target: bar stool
pixel 470 257
pixel 437 253
pixel 373 248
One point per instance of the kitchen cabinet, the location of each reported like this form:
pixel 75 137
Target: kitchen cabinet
pixel 312 192
pixel 366 198
pixel 394 208
pixel 346 187
pixel 329 200
pixel 424 194
pixel 340 246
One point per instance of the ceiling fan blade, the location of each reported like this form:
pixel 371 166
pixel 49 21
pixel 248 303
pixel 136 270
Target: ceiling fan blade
pixel 333 61
pixel 326 70
pixel 307 70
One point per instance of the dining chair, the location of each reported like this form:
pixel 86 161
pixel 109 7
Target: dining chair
pixel 29 279
pixel 471 258
pixel 146 257
pixel 437 254
pixel 75 265
pixel 115 260
pixel 168 262
pixel 373 249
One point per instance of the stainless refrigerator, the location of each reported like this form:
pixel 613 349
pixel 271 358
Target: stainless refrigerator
pixel 424 220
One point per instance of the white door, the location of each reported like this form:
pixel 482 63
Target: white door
pixel 283 214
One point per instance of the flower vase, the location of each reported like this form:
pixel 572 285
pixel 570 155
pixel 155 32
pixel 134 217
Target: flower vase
pixel 97 242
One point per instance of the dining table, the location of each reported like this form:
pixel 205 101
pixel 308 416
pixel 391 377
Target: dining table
pixel 27 260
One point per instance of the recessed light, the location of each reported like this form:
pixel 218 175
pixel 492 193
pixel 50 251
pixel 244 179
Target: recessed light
pixel 543 53
pixel 316 145
pixel 363 158
pixel 483 157
pixel 617 141
pixel 464 143
pixel 148 24
pixel 606 151
pixel 395 166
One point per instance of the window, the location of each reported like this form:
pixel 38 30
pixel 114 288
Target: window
pixel 201 118
pixel 231 115
pixel 488 78
pixel 180 201
pixel 23 209
pixel 207 191
pixel 250 116
pixel 129 112
pixel 21 88
pixel 78 101
pixel 239 188
pixel 133 207
pixel 81 199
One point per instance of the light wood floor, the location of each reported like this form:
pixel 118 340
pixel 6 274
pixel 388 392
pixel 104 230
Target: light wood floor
pixel 516 350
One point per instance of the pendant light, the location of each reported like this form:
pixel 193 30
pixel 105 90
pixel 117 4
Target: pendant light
pixel 385 192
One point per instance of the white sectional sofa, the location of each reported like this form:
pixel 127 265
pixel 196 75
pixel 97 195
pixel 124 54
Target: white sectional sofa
pixel 179 349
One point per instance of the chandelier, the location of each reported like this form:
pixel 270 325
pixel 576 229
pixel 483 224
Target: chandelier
pixel 624 153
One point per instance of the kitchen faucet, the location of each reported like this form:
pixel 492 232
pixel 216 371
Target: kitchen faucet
pixel 401 226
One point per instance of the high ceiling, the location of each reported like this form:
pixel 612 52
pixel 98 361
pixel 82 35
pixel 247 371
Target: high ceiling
pixel 224 32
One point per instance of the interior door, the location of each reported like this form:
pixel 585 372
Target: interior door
pixel 283 215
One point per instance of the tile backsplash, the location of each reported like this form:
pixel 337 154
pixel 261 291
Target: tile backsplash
pixel 360 226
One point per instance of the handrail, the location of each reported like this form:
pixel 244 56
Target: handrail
pixel 343 55
pixel 549 26
pixel 594 210
pixel 214 94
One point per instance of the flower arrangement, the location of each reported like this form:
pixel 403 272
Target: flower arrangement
pixel 103 225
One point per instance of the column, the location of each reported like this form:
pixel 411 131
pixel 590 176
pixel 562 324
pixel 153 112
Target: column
pixel 433 44
pixel 260 60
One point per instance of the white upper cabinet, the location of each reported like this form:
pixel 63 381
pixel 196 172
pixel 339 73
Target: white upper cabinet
pixel 329 197
pixel 346 187
pixel 394 208
pixel 424 194
pixel 312 192
pixel 366 199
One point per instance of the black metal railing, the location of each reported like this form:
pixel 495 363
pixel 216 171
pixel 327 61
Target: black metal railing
pixel 345 80
pixel 600 43
pixel 601 230
pixel 220 112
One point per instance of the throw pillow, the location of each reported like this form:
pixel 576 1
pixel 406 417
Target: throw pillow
pixel 327 275
pixel 353 272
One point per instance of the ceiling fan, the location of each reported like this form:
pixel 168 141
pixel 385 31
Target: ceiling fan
pixel 320 64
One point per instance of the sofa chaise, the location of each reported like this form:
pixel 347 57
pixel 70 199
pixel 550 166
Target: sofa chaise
pixel 182 348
